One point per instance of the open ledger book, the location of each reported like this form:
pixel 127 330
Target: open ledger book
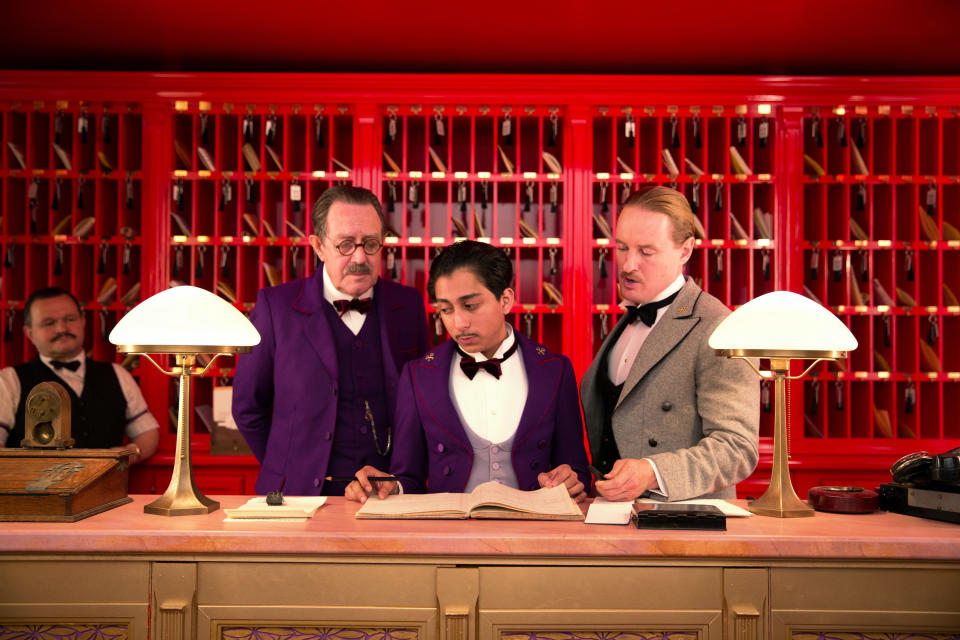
pixel 488 500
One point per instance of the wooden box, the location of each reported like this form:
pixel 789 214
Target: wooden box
pixel 49 485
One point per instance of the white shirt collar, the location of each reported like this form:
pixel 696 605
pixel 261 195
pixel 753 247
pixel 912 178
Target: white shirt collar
pixel 671 289
pixel 331 293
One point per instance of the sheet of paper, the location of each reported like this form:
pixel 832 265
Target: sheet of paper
pixel 727 508
pixel 603 511
pixel 222 403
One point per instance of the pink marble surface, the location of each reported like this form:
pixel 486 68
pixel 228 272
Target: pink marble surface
pixel 334 531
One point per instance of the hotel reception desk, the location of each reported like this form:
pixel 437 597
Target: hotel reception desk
pixel 125 574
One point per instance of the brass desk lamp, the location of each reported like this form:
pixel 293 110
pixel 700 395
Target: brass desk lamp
pixel 184 322
pixel 782 326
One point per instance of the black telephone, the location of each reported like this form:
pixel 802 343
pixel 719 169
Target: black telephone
pixel 925 486
pixel 922 469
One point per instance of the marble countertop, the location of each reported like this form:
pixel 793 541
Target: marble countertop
pixel 335 531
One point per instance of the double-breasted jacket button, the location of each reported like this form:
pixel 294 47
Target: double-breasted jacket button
pixel 446 469
pixel 316 482
pixel 652 442
pixel 667 405
pixel 534 465
pixel 328 436
pixel 542 444
pixel 440 447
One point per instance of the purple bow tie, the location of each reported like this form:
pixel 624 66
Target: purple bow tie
pixel 361 306
pixel 492 366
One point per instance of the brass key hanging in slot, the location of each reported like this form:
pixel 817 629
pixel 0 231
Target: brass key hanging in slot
pixel 225 261
pixel 630 130
pixel 909 398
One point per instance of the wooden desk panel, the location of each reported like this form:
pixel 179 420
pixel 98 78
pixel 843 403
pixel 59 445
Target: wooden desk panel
pixel 338 578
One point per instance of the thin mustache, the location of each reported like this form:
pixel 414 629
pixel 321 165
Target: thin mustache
pixel 357 269
pixel 62 335
pixel 466 335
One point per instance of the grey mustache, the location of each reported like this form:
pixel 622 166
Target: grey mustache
pixel 355 269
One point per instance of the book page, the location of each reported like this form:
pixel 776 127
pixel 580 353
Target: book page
pixel 493 496
pixel 416 505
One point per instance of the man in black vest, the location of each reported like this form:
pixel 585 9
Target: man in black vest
pixel 106 401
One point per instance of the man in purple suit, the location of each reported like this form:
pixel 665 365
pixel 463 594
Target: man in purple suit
pixel 489 404
pixel 315 399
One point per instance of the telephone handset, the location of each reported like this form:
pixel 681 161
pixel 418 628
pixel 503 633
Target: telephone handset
pixel 921 468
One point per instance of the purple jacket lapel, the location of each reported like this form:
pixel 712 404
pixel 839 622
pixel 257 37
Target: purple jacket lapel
pixel 390 310
pixel 543 378
pixel 314 322
pixel 431 382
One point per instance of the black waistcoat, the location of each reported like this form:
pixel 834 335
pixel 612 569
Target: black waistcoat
pixel 360 364
pixel 610 394
pixel 99 416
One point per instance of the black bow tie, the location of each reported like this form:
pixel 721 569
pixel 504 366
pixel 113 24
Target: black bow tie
pixel 72 365
pixel 492 366
pixel 647 313
pixel 361 306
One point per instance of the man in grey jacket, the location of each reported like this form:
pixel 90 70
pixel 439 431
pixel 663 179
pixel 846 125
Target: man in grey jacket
pixel 664 413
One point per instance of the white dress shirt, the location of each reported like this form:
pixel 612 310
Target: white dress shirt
pixel 488 406
pixel 352 318
pixel 624 352
pixel 139 418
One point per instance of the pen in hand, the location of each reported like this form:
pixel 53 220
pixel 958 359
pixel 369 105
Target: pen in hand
pixel 352 478
pixel 597 474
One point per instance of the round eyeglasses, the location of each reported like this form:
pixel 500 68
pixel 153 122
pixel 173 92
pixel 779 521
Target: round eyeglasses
pixel 370 247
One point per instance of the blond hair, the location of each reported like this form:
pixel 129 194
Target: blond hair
pixel 670 203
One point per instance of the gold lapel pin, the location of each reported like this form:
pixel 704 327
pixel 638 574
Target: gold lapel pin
pixel 430 357
pixel 541 351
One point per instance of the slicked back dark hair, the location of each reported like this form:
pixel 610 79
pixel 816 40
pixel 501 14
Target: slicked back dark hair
pixel 344 193
pixel 491 266
pixel 45 294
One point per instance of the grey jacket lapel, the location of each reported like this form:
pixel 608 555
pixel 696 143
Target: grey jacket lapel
pixel 665 335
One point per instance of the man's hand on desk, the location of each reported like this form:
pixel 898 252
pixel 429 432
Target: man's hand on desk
pixel 361 488
pixel 566 476
pixel 628 480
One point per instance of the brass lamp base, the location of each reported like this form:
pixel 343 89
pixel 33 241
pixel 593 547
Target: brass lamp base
pixel 780 500
pixel 184 503
pixel 777 504
pixel 182 497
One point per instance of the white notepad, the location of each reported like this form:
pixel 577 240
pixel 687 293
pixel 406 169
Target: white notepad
pixel 294 508
pixel 603 511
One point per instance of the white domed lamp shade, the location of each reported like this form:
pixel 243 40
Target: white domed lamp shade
pixel 185 322
pixel 782 326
